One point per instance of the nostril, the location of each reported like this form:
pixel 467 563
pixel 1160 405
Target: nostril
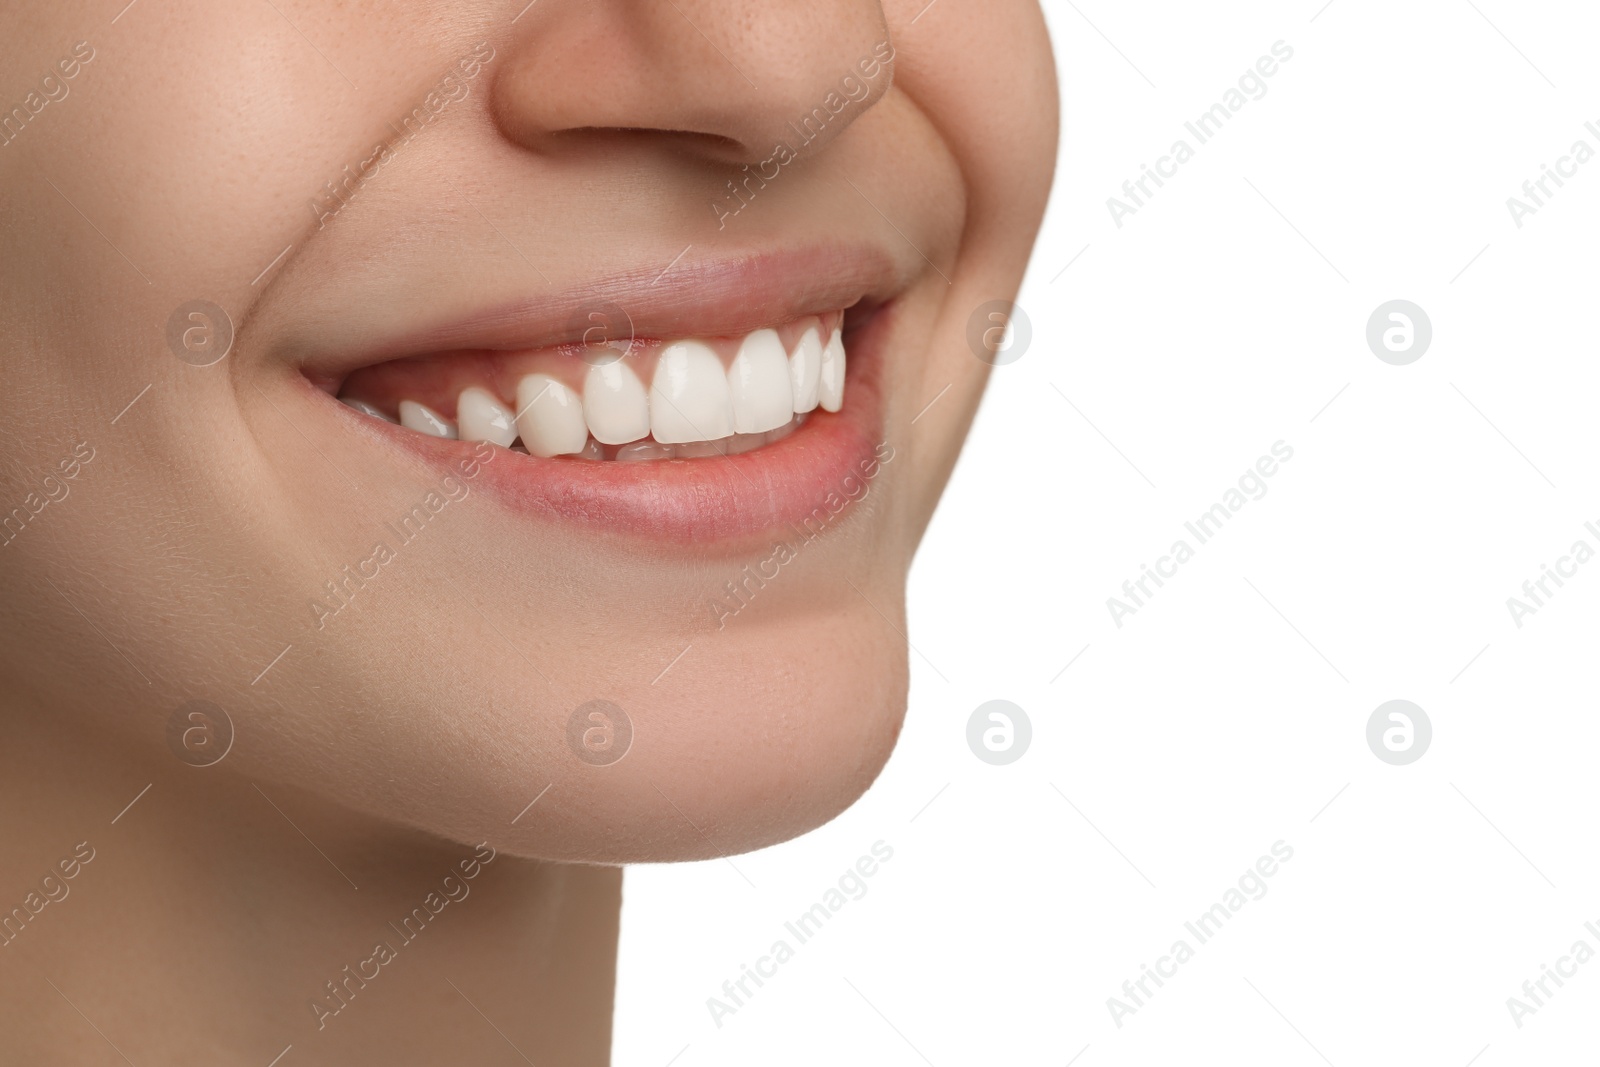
pixel 718 78
pixel 615 139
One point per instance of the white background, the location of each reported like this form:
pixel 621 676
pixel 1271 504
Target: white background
pixel 1230 712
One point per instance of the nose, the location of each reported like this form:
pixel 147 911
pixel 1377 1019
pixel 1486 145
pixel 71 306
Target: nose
pixel 724 79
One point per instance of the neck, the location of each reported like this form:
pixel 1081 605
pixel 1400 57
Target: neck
pixel 226 920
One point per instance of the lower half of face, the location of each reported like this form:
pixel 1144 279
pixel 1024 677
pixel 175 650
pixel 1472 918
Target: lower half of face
pixel 446 427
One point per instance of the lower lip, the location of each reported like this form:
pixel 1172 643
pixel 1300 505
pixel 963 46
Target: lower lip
pixel 717 498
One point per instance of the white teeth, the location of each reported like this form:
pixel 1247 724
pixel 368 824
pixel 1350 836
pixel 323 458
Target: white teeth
pixel 615 405
pixel 830 383
pixel 483 418
pixel 414 416
pixel 689 398
pixel 365 408
pixel 692 408
pixel 550 417
pixel 758 382
pixel 805 366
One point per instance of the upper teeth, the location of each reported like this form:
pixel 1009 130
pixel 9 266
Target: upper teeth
pixel 415 416
pixel 691 398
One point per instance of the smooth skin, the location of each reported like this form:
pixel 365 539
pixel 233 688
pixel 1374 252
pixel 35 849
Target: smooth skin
pixel 372 755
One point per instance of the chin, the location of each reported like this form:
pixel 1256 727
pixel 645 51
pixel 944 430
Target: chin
pixel 760 748
pixel 775 727
pixel 738 772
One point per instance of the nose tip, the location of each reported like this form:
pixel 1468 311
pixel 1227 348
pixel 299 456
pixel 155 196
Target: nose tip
pixel 723 79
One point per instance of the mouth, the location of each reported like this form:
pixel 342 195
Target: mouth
pixel 740 400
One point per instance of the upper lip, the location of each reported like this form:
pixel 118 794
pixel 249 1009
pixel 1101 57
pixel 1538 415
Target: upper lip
pixel 694 297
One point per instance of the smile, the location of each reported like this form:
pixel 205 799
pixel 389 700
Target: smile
pixel 706 397
pixel 729 402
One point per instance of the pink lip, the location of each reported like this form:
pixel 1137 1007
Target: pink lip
pixel 731 499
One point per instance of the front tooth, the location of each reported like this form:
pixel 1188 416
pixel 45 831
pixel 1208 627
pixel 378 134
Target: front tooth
pixel 758 382
pixel 484 418
pixel 615 405
pixel 689 398
pixel 805 366
pixel 550 417
pixel 830 384
pixel 415 416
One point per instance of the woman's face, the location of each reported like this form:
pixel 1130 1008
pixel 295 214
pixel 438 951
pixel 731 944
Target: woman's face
pixel 593 224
